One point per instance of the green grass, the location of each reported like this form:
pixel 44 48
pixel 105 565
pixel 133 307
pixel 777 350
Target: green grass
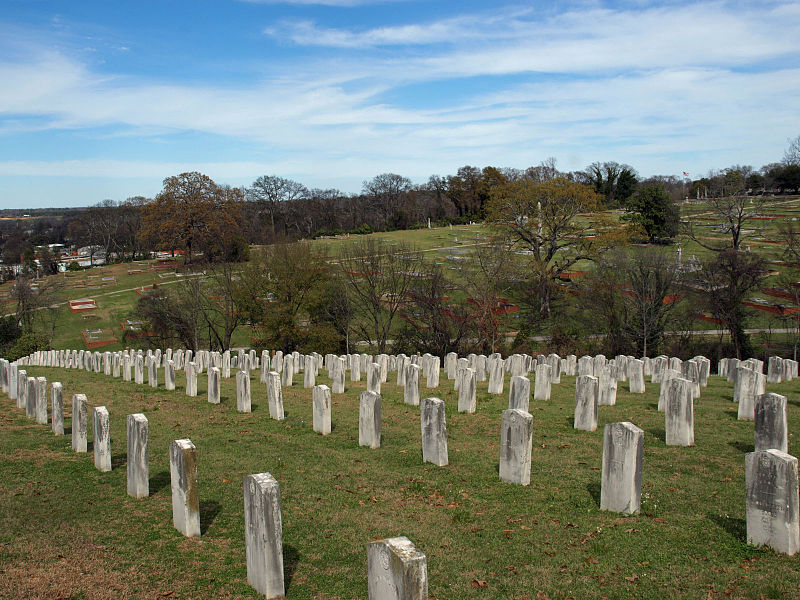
pixel 483 538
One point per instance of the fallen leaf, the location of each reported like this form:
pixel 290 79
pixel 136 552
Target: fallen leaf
pixel 632 578
pixel 479 583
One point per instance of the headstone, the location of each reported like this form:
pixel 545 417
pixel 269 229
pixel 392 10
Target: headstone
pixel 396 570
pixel 369 419
pixel 31 391
pixel 496 376
pixel 745 390
pixel 519 393
pixel 185 492
pixel 772 500
pixel 57 398
pixel 213 385
pixel 40 410
pixel 321 400
pixel 169 375
pixel 339 376
pixel 467 391
pixel 621 479
pixel 288 370
pixel 243 391
pixel 138 460
pixel 374 378
pixel 586 391
pixel 771 430
pixel 275 396
pixel 138 369
pixel 263 534
pixel 679 413
pixel 433 373
pixel 543 382
pixel 666 377
pixel 636 376
pixel 191 379
pixel 102 439
pixel 516 443
pixel 434 432
pixel 411 390
pixel 355 368
pixel 80 423
pixel 607 383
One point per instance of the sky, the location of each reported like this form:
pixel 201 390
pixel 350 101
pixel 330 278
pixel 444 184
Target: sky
pixel 103 100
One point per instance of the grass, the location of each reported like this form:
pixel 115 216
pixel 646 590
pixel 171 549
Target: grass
pixel 70 531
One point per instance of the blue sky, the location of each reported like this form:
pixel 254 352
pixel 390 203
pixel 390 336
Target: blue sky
pixel 105 99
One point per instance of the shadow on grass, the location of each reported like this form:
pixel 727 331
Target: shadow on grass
pixel 737 528
pixel 209 509
pixel 742 446
pixel 794 402
pixel 291 558
pixel 733 415
pixel 660 433
pixel 594 491
pixel 158 482
pixel 119 461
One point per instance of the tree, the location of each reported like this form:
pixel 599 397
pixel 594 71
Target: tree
pixel 283 293
pixel 378 277
pixel 727 280
pixel 792 154
pixel 174 316
pixel 192 212
pixel 651 208
pixel 542 220
pixel 269 191
pixel 636 292
pixel 733 212
pixel 387 193
pixel 611 180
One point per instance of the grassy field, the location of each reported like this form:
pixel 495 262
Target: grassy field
pixel 71 532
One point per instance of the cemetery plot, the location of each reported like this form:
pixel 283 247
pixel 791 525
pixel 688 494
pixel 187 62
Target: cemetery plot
pixel 97 338
pixel 82 304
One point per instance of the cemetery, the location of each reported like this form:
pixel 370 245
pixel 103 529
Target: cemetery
pixel 248 475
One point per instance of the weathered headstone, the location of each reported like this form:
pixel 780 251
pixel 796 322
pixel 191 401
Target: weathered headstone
pixel 80 423
pixel 369 419
pixel 40 410
pixel 374 377
pixel 467 391
pixel 57 399
pixel 411 390
pixel 288 370
pixel 214 384
pixel 543 382
pixel 516 443
pixel 432 380
pixel 243 391
pixel 396 570
pixel 138 370
pixel 772 500
pixel 102 439
pixel 434 431
pixel 185 492
pixel 621 479
pixel 275 396
pixel 607 383
pixel 321 401
pixel 666 377
pixel 636 376
pixel 679 413
pixel 338 377
pixel 263 534
pixel 745 390
pixel 496 376
pixel 138 458
pixel 586 391
pixel 191 379
pixel 771 423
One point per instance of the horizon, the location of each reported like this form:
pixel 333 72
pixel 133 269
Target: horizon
pixel 105 101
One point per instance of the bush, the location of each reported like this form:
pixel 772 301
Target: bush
pixel 26 344
pixel 74 266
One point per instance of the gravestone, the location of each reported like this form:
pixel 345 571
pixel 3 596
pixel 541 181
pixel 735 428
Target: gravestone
pixel 191 379
pixel 745 389
pixel 243 391
pixel 369 419
pixel 543 382
pixel 411 390
pixel 467 391
pixel 374 378
pixel 607 383
pixel 636 376
pixel 396 570
pixel 666 377
pixel 772 500
pixel 263 534
pixel 40 409
pixel 214 385
pixel 321 401
pixel 102 439
pixel 31 390
pixel 433 373
pixel 275 396
pixel 138 370
pixel 586 391
pixel 185 492
pixel 679 413
pixel 519 393
pixel 138 459
pixel 288 370
pixel 80 423
pixel 496 376
pixel 339 376
pixel 434 432
pixel 169 375
pixel 770 425
pixel 621 479
pixel 57 399
pixel 516 443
